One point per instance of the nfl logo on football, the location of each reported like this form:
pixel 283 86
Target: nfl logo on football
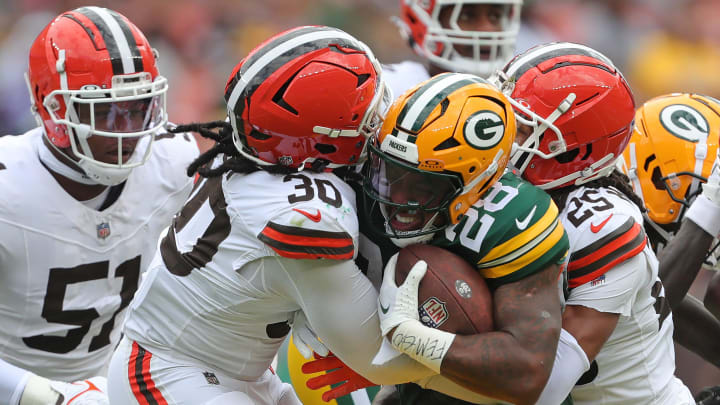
pixel 433 312
pixel 103 230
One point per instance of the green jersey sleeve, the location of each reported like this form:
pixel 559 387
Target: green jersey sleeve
pixel 512 232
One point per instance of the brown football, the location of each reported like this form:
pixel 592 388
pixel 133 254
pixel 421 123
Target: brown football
pixel 453 296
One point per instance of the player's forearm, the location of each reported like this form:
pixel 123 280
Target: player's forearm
pixel 341 305
pixel 681 260
pixel 496 364
pixel 514 362
pixel 697 330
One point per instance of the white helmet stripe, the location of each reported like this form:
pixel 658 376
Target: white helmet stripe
pixel 122 42
pixel 269 57
pixel 532 54
pixel 429 95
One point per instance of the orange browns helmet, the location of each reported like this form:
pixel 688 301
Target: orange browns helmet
pixel 451 135
pixel 671 151
pixel 92 72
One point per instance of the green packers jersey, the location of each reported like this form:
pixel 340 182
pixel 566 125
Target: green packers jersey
pixel 512 232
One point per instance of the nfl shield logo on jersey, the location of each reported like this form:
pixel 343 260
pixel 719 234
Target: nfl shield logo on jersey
pixel 433 312
pixel 103 230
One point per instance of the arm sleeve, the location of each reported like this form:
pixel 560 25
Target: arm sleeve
pixel 570 363
pixel 340 304
pixel 12 383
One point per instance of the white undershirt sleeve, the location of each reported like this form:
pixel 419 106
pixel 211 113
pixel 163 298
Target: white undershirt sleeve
pixel 570 363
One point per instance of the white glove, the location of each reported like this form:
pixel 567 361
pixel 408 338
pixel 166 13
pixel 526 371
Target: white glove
pixel 305 339
pixel 399 304
pixel 398 307
pixel 711 189
pixel 41 391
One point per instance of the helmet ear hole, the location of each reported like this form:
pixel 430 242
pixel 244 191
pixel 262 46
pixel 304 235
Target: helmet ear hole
pixel 362 79
pixel 325 148
pixel 656 179
pixel 259 135
pixel 568 156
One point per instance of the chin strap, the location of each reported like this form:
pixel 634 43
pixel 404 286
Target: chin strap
pixel 56 165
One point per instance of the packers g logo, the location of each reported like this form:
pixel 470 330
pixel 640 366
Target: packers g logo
pixel 684 122
pixel 484 130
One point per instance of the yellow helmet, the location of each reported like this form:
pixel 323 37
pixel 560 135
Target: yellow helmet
pixel 442 145
pixel 671 151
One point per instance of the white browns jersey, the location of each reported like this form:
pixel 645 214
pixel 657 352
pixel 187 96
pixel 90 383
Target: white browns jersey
pixel 212 296
pixel 637 363
pixel 67 272
pixel 403 76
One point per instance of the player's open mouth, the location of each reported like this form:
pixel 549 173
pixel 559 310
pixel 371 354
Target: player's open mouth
pixel 407 220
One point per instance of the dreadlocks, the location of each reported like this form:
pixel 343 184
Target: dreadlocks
pixel 234 161
pixel 616 180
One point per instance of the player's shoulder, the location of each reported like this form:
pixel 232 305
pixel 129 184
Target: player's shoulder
pixel 404 75
pixel 605 228
pixel 518 208
pixel 301 215
pixel 596 213
pixel 16 151
pixel 512 231
pixel 21 173
pixel 171 155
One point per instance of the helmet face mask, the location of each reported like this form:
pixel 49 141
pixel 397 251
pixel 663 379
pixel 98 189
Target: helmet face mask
pixel 99 96
pixel 308 97
pixel 472 36
pixel 441 147
pixel 413 202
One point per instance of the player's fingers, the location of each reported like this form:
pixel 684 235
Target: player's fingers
pixel 417 273
pixel 389 273
pixel 337 392
pixel 324 364
pixel 326 379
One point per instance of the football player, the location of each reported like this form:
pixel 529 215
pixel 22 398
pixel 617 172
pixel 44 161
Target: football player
pixel 577 115
pixel 84 198
pixel 668 160
pixel 266 239
pixel 466 36
pixel 436 175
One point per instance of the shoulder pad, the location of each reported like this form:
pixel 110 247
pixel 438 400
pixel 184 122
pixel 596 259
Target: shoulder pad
pixel 311 232
pixel 301 216
pixel 601 253
pixel 604 229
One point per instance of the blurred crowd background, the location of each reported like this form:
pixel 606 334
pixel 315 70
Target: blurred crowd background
pixel 661 45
